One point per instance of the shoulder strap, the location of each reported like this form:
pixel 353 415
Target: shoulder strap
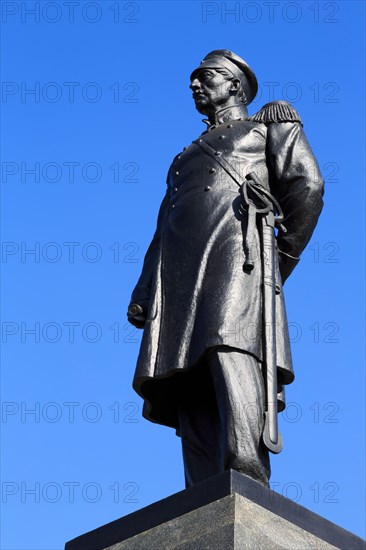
pixel 276 111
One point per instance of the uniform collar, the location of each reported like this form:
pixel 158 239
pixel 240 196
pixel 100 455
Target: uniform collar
pixel 233 112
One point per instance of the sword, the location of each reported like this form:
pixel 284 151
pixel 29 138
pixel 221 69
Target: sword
pixel 271 216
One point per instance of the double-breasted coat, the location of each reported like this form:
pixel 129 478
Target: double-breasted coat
pixel 193 285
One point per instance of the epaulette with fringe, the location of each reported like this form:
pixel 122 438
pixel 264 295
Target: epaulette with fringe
pixel 276 111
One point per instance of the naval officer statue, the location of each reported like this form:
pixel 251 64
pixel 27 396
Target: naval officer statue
pixel 215 347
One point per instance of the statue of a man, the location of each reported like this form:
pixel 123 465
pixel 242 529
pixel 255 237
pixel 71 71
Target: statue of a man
pixel 202 367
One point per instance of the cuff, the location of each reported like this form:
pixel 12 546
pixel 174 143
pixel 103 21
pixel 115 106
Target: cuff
pixel 287 264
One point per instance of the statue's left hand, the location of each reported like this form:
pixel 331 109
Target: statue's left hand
pixel 136 315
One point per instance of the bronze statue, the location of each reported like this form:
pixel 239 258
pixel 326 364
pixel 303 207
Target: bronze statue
pixel 241 204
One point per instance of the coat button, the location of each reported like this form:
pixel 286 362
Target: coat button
pixel 217 153
pixel 172 206
pixel 212 170
pixel 177 173
pixel 229 126
pixel 175 189
pixel 221 137
pixel 208 188
pixel 179 156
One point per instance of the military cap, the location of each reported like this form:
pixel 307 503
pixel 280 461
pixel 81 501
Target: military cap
pixel 224 59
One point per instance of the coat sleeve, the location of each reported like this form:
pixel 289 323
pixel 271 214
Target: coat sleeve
pixel 297 184
pixel 141 292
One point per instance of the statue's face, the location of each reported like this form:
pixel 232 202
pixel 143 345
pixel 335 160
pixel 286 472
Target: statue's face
pixel 210 90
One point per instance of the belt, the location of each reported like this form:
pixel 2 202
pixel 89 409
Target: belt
pixel 254 195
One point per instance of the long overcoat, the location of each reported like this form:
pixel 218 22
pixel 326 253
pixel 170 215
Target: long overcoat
pixel 193 284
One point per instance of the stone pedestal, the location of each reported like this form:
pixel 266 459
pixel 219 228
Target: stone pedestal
pixel 227 512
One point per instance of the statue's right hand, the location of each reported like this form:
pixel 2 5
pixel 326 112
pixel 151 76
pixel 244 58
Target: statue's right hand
pixel 136 315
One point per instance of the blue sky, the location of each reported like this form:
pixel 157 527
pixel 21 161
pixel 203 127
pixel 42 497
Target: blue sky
pixel 83 173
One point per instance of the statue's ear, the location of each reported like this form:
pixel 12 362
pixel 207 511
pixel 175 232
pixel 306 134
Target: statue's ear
pixel 235 85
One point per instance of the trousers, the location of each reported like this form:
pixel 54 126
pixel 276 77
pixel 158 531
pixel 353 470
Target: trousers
pixel 221 418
